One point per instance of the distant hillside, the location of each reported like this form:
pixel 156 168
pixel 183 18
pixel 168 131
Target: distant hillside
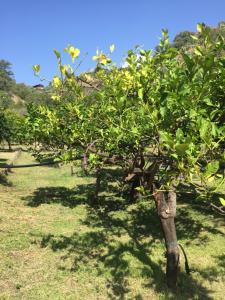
pixel 185 39
pixel 17 100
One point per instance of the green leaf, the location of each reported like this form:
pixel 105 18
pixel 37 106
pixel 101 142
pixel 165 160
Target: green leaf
pixel 211 168
pixel 174 155
pixel 222 201
pixel 194 37
pixel 208 102
pixel 57 53
pixel 198 51
pixel 36 68
pixel 142 52
pixel 140 189
pixel 92 157
pixel 162 110
pixel 181 148
pixel 134 130
pixel 179 134
pixel 112 48
pixel 199 27
pixel 204 129
pixel 140 93
pixel 167 139
pixel 189 62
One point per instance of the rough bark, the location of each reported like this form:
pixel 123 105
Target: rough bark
pixel 166 208
pixel 133 192
pixel 85 163
pixel 135 176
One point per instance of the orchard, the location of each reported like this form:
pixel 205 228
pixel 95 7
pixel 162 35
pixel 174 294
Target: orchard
pixel 160 118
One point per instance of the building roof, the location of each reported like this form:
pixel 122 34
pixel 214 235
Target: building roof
pixel 38 86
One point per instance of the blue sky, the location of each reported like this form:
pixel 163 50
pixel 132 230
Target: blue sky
pixel 29 30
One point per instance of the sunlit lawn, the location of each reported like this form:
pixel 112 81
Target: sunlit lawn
pixel 55 244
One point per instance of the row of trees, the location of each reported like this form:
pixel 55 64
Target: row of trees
pixel 10 127
pixel 8 119
pixel 161 119
pixel 14 97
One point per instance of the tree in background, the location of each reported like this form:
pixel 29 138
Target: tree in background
pixel 186 39
pixel 183 39
pixel 22 90
pixel 5 100
pixel 28 94
pixel 6 75
pixel 11 124
pixel 16 96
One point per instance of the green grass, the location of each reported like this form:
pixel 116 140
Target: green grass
pixel 55 244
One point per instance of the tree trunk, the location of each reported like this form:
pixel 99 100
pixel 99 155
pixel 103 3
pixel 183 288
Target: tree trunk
pixel 9 145
pixel 166 208
pixel 85 163
pixel 133 192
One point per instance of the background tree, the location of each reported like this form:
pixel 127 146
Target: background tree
pixel 5 100
pixel 11 124
pixel 183 39
pixel 6 75
pixel 187 39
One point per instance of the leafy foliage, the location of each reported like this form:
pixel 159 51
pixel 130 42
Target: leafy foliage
pixel 5 100
pixel 10 126
pixel 187 39
pixel 6 75
pixel 162 114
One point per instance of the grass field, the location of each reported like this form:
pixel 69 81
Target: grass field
pixel 55 244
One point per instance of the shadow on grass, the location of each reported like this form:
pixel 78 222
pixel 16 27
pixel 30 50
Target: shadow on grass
pixel 83 193
pixel 4 180
pixel 51 161
pixel 3 162
pixel 119 234
pixel 188 195
pixel 111 246
pixel 61 195
pixel 6 150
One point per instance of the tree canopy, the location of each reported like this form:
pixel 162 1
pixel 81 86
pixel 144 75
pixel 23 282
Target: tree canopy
pixel 6 75
pixel 160 118
pixel 169 105
pixel 185 38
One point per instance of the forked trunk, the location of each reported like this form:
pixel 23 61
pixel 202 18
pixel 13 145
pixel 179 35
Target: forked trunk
pixel 166 208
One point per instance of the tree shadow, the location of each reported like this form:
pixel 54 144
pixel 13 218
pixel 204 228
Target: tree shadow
pixel 4 180
pixel 201 207
pixel 50 161
pixel 59 195
pixel 6 150
pixel 119 232
pixel 187 194
pixel 221 261
pixel 71 197
pixel 3 162
pixel 106 246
